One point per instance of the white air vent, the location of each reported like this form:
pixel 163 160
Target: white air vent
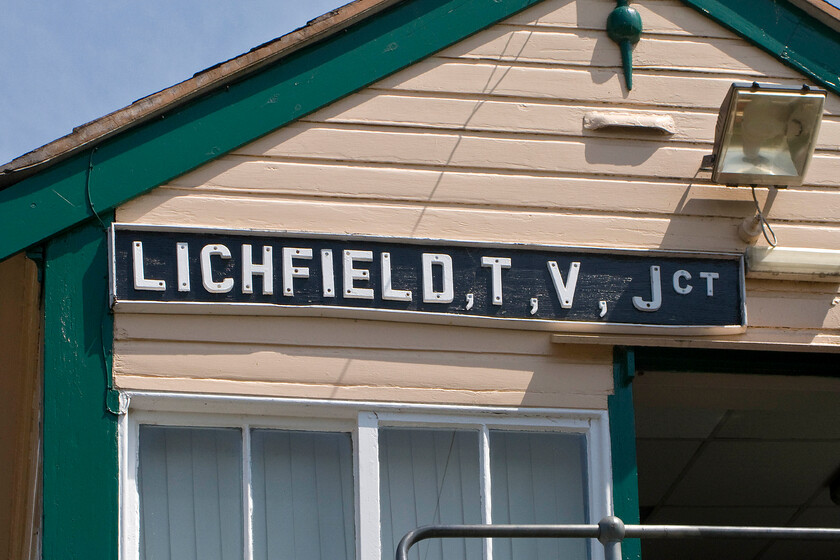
pixel 606 121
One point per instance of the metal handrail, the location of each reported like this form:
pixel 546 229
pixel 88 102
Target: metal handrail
pixel 610 531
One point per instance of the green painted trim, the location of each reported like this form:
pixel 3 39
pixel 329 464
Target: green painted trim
pixel 144 157
pixel 80 478
pixel 624 26
pixel 623 447
pixel 783 30
pixel 736 361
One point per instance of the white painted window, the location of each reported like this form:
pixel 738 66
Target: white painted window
pixel 537 478
pixel 190 493
pixel 305 480
pixel 429 477
pixel 302 495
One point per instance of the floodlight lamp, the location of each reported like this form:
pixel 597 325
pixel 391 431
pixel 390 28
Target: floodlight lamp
pixel 766 135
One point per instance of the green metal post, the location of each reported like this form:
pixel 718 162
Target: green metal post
pixel 81 502
pixel 623 445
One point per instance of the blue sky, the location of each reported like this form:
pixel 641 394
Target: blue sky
pixel 67 63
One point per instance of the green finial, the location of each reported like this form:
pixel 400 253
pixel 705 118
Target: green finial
pixel 624 26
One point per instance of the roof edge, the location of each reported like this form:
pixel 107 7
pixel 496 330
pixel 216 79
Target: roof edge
pixel 796 37
pixel 152 106
pixel 820 10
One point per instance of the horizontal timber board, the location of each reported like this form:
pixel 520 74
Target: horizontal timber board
pixel 343 333
pixel 667 18
pixel 793 310
pixel 502 115
pixel 595 49
pixel 722 391
pixel 238 177
pixel 363 367
pixel 718 391
pixel 798 310
pixel 595 85
pixel 772 340
pixel 590 155
pixel 680 233
pixel 524 117
pixel 758 285
pixel 384 394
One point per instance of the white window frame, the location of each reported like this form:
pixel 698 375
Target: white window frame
pixel 362 420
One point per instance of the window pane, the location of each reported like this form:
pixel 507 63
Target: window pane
pixel 538 478
pixel 303 495
pixel 190 482
pixel 429 477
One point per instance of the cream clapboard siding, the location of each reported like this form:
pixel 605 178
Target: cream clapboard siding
pixel 363 360
pixel 484 141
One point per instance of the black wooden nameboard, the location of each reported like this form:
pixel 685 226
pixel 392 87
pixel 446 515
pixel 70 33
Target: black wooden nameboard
pixel 513 282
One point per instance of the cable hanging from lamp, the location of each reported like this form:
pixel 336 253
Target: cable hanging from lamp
pixel 762 222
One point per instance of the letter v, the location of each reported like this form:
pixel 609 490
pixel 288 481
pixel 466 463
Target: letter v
pixel 566 292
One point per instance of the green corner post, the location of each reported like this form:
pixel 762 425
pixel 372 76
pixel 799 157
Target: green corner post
pixel 81 473
pixel 624 26
pixel 623 447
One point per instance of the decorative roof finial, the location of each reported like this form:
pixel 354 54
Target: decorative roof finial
pixel 624 26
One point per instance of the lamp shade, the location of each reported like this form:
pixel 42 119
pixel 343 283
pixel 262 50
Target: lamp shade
pixel 765 135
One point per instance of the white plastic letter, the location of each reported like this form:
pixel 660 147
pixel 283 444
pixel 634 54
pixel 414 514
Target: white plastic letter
pixel 710 282
pixel 496 264
pixel 291 271
pixel 140 280
pixel 680 289
pixel 352 274
pixel 327 274
pixel 565 291
pixel 388 291
pixel 655 293
pixel 226 284
pixel 447 294
pixel 183 252
pixel 249 268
